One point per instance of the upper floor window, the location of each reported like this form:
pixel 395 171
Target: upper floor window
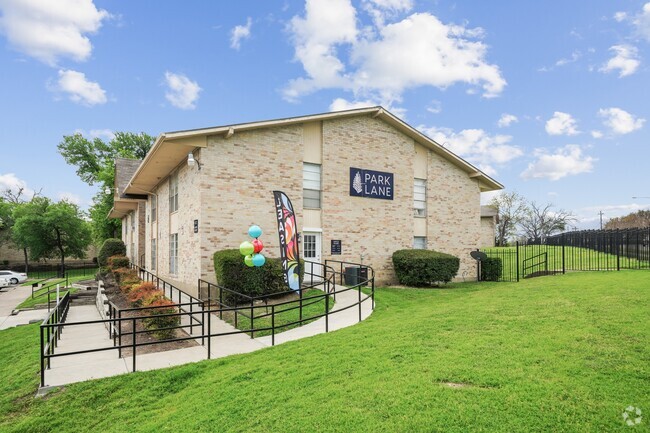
pixel 311 185
pixel 419 197
pixel 154 208
pixel 173 254
pixel 173 193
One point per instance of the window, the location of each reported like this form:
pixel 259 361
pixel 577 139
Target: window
pixel 133 222
pixel 173 193
pixel 173 254
pixel 420 197
pixel 420 243
pixel 153 255
pixel 311 185
pixel 154 207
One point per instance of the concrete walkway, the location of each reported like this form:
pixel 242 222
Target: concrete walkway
pixel 77 368
pixel 10 298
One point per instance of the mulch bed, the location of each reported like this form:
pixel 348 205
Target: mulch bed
pixel 116 296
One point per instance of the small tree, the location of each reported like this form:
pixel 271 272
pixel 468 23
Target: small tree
pixel 111 247
pixel 52 229
pixel 511 208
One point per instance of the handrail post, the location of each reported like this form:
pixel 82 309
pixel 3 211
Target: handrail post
pixel 209 333
pixel 373 293
pixel 203 323
pixel 42 359
pixel 133 342
pixel 300 309
pixel 119 334
pixel 252 315
pixel 272 324
pixel 327 312
pixel 359 291
pixel 221 304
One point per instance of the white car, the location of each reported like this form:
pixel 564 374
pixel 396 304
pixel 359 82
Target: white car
pixel 4 283
pixel 13 277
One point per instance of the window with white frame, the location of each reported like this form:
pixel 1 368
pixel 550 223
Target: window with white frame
pixel 173 254
pixel 311 185
pixel 420 242
pixel 153 255
pixel 173 193
pixel 420 197
pixel 154 208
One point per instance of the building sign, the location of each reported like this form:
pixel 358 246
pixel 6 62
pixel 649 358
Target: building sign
pixel 336 247
pixel 371 184
pixel 196 226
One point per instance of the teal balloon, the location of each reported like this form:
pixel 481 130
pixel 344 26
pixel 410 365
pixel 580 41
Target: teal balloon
pixel 258 259
pixel 246 248
pixel 254 231
pixel 249 261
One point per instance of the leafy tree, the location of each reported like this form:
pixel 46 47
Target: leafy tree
pixel 633 220
pixel 9 202
pixel 95 162
pixel 51 229
pixel 539 222
pixel 511 208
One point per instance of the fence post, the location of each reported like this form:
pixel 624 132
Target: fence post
pixel 563 256
pixel 133 344
pixel 209 332
pixel 618 250
pixel 517 259
pixel 563 259
pixel 42 359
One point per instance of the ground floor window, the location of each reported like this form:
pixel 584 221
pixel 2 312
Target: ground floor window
pixel 309 246
pixel 420 242
pixel 173 253
pixel 153 255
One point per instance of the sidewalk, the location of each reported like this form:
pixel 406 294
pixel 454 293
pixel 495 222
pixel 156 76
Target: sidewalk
pixel 78 368
pixel 10 298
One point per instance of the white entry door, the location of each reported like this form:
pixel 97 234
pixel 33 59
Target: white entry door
pixel 311 252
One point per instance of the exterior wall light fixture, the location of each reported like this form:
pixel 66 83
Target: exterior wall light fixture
pixel 191 161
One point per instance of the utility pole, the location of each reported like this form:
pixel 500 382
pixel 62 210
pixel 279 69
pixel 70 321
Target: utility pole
pixel 601 219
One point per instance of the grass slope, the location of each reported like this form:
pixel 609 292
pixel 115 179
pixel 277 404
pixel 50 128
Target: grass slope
pixel 561 353
pixel 40 296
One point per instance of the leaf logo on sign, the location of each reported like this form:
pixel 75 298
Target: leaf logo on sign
pixel 356 183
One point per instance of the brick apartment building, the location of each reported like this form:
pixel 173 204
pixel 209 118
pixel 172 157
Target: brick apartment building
pixel 362 178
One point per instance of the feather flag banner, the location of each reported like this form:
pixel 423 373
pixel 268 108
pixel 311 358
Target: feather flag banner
pixel 288 235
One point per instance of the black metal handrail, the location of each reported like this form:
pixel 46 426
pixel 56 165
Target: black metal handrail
pixel 51 329
pixel 204 311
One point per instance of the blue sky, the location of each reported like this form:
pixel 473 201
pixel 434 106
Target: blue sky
pixel 550 98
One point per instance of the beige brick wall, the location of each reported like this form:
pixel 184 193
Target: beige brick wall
pixel 453 213
pixel 238 177
pixel 487 232
pixel 372 228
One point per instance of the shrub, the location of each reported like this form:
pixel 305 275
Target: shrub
pixel 232 273
pixel 491 269
pixel 116 262
pixel 126 278
pixel 110 247
pixel 140 293
pixel 156 323
pixel 424 267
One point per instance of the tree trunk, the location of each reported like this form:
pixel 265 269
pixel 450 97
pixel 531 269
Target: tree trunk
pixel 26 260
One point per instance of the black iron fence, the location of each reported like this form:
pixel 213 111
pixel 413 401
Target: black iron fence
pixel 587 250
pixel 195 315
pixel 41 271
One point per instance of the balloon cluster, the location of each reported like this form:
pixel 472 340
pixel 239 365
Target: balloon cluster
pixel 251 250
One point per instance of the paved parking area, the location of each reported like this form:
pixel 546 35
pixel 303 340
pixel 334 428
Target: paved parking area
pixel 10 297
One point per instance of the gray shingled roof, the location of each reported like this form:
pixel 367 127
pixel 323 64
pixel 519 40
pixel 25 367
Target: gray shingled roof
pixel 124 170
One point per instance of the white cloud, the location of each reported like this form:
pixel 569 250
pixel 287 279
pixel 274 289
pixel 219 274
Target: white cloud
pixel 566 161
pixel 70 197
pixel 620 16
pixel 561 124
pixel 381 10
pixel 239 33
pixel 641 22
pixel 182 92
pixel 11 182
pixel 105 134
pixel 575 56
pixel 340 104
pixel 477 146
pixel 625 61
pixel 597 134
pixel 48 30
pixel 78 88
pixel 435 107
pixel 386 60
pixel 506 120
pixel 620 121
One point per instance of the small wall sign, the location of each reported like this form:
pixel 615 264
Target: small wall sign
pixel 371 184
pixel 336 247
pixel 196 226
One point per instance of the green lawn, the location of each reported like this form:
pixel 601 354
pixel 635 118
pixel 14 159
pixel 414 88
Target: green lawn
pixel 40 296
pixel 564 353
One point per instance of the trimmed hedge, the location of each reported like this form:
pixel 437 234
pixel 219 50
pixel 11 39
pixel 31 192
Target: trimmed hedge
pixel 491 269
pixel 116 262
pixel 110 247
pixel 232 273
pixel 424 267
